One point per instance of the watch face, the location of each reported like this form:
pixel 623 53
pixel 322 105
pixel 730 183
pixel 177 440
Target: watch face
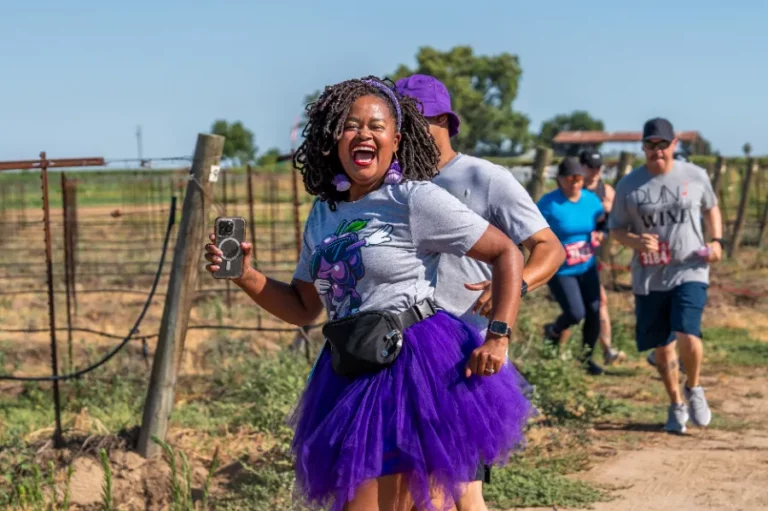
pixel 498 328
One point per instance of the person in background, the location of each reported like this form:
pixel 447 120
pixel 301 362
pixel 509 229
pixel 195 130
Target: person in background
pixel 658 211
pixel 592 161
pixel 577 218
pixel 463 284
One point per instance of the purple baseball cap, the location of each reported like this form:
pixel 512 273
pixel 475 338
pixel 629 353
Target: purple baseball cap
pixel 433 96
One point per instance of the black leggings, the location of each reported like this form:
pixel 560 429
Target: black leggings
pixel 579 297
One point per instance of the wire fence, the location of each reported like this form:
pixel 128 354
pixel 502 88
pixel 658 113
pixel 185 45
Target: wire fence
pixel 110 232
pixel 107 227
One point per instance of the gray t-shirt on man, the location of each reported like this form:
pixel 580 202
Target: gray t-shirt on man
pixel 492 192
pixel 381 252
pixel 670 206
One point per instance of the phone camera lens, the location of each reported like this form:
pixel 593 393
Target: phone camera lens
pixel 226 228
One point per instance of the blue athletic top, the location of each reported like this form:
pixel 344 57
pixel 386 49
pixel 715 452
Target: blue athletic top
pixel 573 224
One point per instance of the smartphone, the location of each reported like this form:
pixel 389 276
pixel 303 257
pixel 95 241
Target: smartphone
pixel 230 233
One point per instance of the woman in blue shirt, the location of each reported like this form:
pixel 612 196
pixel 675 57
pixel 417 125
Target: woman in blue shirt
pixel 575 215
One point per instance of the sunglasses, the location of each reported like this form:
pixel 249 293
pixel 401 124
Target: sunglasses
pixel 653 146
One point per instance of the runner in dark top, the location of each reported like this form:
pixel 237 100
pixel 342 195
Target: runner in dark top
pixel 592 162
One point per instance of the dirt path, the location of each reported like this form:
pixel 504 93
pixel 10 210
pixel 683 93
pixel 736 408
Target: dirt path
pixel 706 471
pixel 713 469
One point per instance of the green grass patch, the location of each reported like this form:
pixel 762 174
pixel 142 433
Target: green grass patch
pixel 733 347
pixel 257 392
pixel 524 484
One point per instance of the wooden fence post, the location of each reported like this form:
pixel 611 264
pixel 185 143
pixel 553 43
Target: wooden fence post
pixel 761 237
pixel 738 227
pixel 296 213
pixel 606 249
pixel 66 217
pixel 717 174
pixel 181 287
pixel 539 172
pixel 624 166
pixel 251 217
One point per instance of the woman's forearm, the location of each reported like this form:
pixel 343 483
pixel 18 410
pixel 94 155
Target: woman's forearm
pixel 278 298
pixel 507 281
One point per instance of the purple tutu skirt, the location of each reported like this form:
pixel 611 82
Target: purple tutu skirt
pixel 420 417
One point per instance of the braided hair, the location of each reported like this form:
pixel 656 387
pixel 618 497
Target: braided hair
pixel 317 158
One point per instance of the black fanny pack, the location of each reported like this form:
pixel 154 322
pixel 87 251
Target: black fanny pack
pixel 370 341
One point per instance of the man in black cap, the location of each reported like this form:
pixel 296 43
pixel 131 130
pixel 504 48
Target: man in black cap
pixel 658 211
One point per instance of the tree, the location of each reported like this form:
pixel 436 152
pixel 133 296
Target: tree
pixel 269 158
pixel 482 90
pixel 700 146
pixel 747 149
pixel 239 144
pixel 578 120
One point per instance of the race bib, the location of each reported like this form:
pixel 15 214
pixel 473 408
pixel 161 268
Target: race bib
pixel 578 252
pixel 657 258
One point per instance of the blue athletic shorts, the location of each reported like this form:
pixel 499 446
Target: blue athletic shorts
pixel 660 314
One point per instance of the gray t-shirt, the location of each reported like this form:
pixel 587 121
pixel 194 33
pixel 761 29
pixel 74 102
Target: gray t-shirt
pixel 381 252
pixel 669 205
pixel 492 192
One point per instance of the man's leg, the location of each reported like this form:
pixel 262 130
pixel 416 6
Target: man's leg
pixel 668 367
pixel 688 304
pixel 653 331
pixel 669 370
pixel 692 355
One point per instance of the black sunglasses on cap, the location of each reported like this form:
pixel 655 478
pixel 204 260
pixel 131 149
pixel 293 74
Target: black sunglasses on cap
pixel 652 146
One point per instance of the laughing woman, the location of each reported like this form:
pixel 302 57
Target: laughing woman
pixel 405 400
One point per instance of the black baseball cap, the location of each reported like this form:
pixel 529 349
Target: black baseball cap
pixel 658 128
pixel 569 166
pixel 592 159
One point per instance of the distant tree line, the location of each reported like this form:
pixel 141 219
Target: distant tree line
pixel 483 91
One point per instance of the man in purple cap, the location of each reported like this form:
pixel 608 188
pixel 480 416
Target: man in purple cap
pixel 463 284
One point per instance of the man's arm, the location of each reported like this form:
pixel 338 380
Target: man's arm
pixel 515 213
pixel 626 238
pixel 713 222
pixel 547 255
pixel 642 243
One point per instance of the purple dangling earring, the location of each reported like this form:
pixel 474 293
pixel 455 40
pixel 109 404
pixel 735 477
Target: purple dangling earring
pixel 341 182
pixel 394 173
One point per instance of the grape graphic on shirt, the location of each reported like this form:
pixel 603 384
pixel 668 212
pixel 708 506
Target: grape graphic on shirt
pixel 337 266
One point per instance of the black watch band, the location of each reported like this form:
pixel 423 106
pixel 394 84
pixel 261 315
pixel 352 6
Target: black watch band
pixel 718 240
pixel 524 289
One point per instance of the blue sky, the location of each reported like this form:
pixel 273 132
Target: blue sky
pixel 76 78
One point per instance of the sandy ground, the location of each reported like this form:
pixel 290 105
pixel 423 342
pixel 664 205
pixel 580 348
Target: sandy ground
pixel 646 469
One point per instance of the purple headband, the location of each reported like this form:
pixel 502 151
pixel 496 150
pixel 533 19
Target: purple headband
pixel 392 98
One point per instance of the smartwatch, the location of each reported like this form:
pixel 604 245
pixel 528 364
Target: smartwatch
pixel 524 289
pixel 720 241
pixel 499 328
